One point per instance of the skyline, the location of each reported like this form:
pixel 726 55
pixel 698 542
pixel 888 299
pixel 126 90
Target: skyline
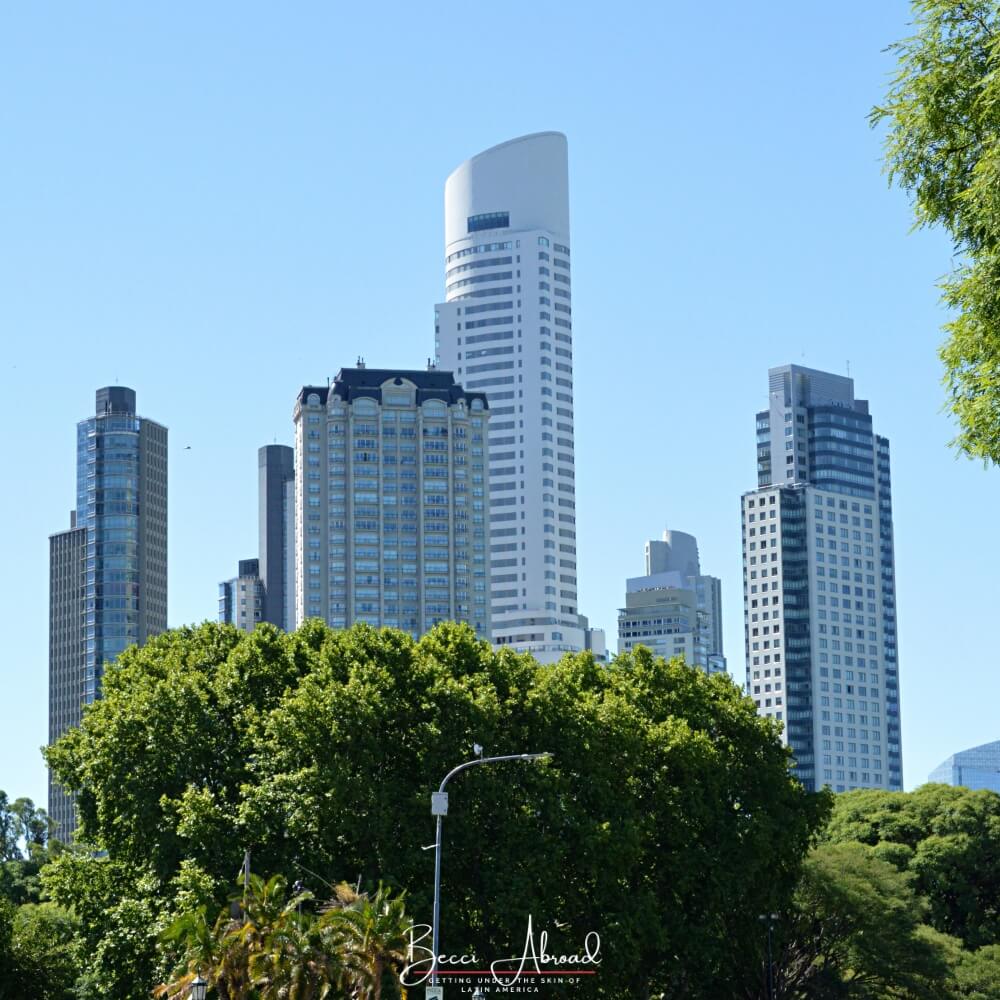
pixel 141 242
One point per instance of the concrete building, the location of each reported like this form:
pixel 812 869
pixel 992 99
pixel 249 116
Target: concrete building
pixel 266 592
pixel 276 519
pixel 506 328
pixel 977 768
pixel 108 572
pixel 674 609
pixel 241 600
pixel 819 583
pixel 392 500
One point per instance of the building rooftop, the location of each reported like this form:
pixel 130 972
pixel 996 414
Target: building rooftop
pixel 352 383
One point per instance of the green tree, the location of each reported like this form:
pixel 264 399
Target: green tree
pixel 977 973
pixel 39 952
pixel 119 916
pixel 269 945
pixel 10 971
pixel 947 838
pixel 32 824
pixel 302 959
pixel 9 848
pixel 856 931
pixel 666 821
pixel 942 113
pixel 228 951
pixel 374 937
pixel 25 847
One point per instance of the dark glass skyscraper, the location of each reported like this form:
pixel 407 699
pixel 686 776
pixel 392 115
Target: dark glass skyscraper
pixel 276 513
pixel 108 572
pixel 819 582
pixel 264 588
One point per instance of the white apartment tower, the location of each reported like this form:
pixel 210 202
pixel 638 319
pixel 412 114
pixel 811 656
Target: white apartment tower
pixel 506 329
pixel 819 583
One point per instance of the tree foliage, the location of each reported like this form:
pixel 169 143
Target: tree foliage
pixel 25 831
pixel 942 113
pixel 666 821
pixel 947 839
pixel 856 930
pixel 39 952
pixel 270 943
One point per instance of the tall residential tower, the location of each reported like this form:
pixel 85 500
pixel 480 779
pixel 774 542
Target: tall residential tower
pixel 392 494
pixel 819 583
pixel 505 328
pixel 108 572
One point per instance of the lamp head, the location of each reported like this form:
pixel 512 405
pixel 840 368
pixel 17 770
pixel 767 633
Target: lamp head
pixel 199 988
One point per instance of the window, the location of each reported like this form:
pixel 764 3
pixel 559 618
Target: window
pixel 488 220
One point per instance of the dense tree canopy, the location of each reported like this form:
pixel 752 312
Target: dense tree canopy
pixel 666 821
pixel 39 952
pixel 942 114
pixel 947 838
pixel 856 930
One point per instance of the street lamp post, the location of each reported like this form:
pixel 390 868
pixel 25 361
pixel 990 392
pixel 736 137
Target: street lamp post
pixel 199 988
pixel 439 808
pixel 769 919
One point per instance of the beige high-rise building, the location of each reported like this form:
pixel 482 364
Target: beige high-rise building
pixel 392 501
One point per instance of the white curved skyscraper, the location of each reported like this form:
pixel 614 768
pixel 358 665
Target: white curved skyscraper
pixel 506 329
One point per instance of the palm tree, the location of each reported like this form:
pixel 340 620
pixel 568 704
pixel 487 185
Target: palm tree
pixel 300 960
pixel 226 952
pixel 264 946
pixel 375 937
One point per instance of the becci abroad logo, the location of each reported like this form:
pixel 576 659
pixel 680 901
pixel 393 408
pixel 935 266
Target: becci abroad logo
pixel 535 959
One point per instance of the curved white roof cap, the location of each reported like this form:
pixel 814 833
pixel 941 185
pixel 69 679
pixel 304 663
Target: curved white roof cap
pixel 527 177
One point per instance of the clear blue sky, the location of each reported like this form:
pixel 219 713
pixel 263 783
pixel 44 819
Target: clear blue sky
pixel 217 203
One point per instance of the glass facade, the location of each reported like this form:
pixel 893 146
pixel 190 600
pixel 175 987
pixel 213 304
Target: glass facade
pixel 978 768
pixel 488 220
pixel 107 504
pixel 819 583
pixel 795 611
pixel 115 595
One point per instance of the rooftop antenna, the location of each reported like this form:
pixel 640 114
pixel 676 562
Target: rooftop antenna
pixel 848 369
